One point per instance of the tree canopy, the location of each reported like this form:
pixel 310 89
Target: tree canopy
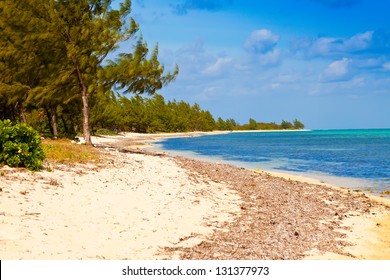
pixel 62 73
pixel 54 54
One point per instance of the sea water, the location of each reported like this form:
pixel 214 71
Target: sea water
pixel 351 158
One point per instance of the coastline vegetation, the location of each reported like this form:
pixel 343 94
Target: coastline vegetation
pixel 58 59
pixel 56 76
pixel 145 115
pixel 155 114
pixel 284 125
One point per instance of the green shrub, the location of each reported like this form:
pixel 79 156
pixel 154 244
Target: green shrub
pixel 20 146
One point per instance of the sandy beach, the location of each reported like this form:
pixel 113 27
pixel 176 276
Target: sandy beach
pixel 139 204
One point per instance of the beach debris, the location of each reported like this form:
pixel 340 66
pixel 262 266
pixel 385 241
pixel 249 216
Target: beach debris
pixel 32 214
pixel 279 219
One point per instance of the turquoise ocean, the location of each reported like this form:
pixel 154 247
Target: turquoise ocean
pixel 349 158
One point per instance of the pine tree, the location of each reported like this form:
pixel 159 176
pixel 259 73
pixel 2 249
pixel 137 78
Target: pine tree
pixel 221 124
pixel 286 125
pixel 298 124
pixel 18 55
pixel 252 124
pixel 45 44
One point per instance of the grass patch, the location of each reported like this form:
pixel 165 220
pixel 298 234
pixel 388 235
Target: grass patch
pixel 63 151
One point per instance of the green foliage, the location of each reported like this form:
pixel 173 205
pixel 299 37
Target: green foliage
pixel 268 126
pixel 104 131
pixel 104 111
pixel 54 57
pixel 298 124
pixel 55 74
pixel 286 125
pixel 38 120
pixel 147 115
pixel 252 124
pixel 20 145
pixel 229 124
pixel 154 114
pixel 136 73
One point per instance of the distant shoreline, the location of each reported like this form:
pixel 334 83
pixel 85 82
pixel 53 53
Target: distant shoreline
pixel 272 130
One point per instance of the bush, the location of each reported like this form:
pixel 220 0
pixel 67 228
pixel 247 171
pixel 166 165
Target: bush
pixel 20 146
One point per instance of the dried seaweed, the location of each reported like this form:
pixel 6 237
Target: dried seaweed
pixel 280 219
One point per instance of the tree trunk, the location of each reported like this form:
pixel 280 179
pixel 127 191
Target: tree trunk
pixel 7 112
pixel 87 134
pixel 65 125
pixel 20 109
pixel 74 127
pixel 49 120
pixel 84 97
pixel 54 121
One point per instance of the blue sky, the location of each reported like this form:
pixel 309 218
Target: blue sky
pixel 325 62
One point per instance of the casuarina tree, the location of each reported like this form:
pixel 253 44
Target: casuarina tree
pixel 87 32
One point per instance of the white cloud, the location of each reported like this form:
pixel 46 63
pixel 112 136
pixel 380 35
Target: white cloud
pixel 194 47
pixel 337 70
pixel 386 66
pixel 261 49
pixel 261 41
pixel 218 67
pixel 333 46
pixel 208 5
pixel 192 59
pixel 288 78
pixel 323 46
pixel 361 41
pixel 271 58
pixel 368 63
pixel 210 92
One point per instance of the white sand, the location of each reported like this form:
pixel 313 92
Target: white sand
pixel 130 210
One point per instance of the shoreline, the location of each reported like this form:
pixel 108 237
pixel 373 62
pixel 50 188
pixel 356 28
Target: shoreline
pixel 197 210
pixel 349 183
pixel 364 224
pixel 336 221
